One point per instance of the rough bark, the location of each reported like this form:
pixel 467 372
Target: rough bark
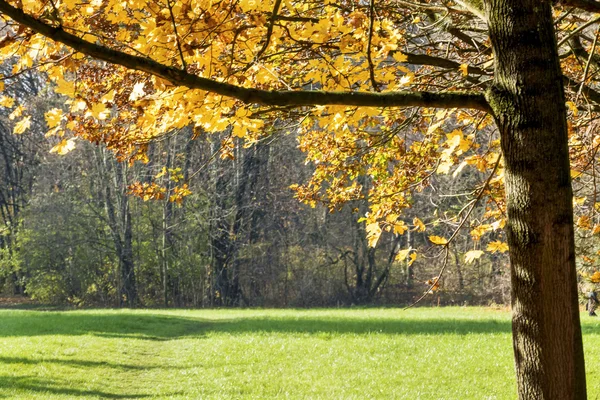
pixel 528 103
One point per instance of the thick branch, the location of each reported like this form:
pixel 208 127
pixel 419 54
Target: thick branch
pixel 424 59
pixel 588 92
pixel 474 6
pixel 248 95
pixel 586 5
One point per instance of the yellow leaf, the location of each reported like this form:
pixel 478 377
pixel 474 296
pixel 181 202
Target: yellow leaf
pixel 373 233
pixel 572 107
pixel 138 91
pixel 472 255
pixel 162 173
pixel 458 169
pixel 413 257
pixel 438 240
pixel 22 125
pixel 7 102
pixel 497 246
pixel 54 131
pixel 65 87
pixel 434 284
pixel 400 228
pixel 464 68
pixel 584 222
pixel 499 224
pixel 16 113
pixel 99 111
pixel 63 147
pixel 444 167
pixel 53 117
pixel 402 254
pixel 480 230
pixel 398 56
pixel 407 79
pixel 595 278
pixel 419 225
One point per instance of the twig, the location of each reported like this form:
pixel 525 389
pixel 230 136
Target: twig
pixel 576 31
pixel 265 45
pixel 587 66
pixel 369 57
pixel 456 231
pixel 183 63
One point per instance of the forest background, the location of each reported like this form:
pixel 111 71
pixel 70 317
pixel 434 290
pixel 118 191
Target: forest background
pixel 70 224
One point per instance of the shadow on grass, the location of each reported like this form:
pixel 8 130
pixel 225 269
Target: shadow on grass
pixel 78 363
pixel 164 327
pixel 41 386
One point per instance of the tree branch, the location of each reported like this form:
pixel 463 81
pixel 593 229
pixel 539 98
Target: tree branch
pixel 248 95
pixel 424 59
pixel 585 5
pixel 474 6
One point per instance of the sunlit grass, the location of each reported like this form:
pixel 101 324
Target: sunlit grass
pixel 443 353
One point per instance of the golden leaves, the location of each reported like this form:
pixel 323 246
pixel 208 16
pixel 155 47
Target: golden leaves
pixel 7 102
pixel 438 240
pixel 497 246
pixel 398 56
pixel 399 227
pixel 137 91
pixel 64 87
pixel 584 222
pixel 64 147
pixel 147 191
pixel 480 230
pixel 434 284
pixel 402 255
pixel 179 192
pixel 419 225
pixel 472 255
pixel 22 125
pixel 53 117
pixel 573 107
pixel 456 144
pixel 99 111
pixel 593 277
pixel 413 257
pixel 16 113
pixel 373 233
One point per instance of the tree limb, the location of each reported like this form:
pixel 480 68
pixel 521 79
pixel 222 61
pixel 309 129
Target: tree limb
pixel 585 5
pixel 424 59
pixel 248 95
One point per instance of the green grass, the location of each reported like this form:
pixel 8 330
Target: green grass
pixel 444 353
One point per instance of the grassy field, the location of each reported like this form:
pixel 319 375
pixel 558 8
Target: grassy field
pixel 443 353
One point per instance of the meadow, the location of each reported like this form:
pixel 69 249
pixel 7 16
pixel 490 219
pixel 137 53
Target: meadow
pixel 421 353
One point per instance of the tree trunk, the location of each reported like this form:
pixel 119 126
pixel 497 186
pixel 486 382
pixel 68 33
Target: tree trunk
pixel 116 204
pixel 127 261
pixel 528 104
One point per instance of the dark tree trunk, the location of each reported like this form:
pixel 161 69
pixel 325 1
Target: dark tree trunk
pixel 118 214
pixel 127 262
pixel 528 103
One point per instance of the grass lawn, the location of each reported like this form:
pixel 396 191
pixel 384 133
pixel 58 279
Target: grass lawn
pixel 424 353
